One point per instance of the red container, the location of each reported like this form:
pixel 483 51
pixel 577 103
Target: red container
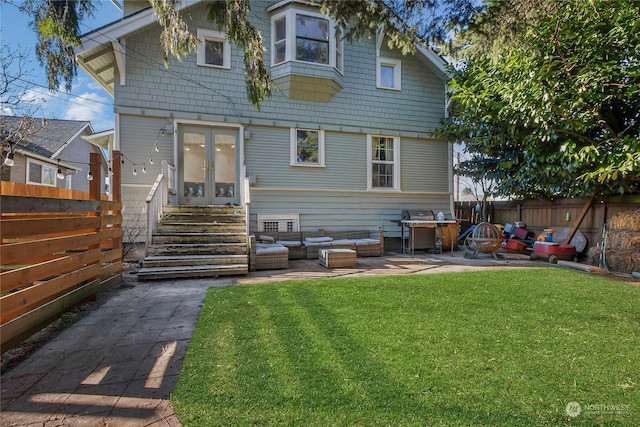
pixel 514 246
pixel 554 251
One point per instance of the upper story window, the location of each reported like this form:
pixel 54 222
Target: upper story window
pixel 305 36
pixel 307 147
pixel 214 50
pixel 312 39
pixel 384 162
pixel 388 74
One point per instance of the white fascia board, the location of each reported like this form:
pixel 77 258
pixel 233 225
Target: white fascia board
pixel 70 140
pixel 438 62
pixel 122 27
pixel 48 160
pixel 119 53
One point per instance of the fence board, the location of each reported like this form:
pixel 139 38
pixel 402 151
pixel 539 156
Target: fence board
pixel 20 204
pixel 26 299
pixel 15 279
pixel 109 270
pixel 30 190
pixel 111 255
pixel 12 228
pixel 14 331
pixel 110 219
pixel 14 253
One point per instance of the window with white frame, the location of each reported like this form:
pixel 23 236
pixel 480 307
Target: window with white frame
pixel 279 222
pixel 389 73
pixel 41 173
pixel 384 162
pixel 307 147
pixel 305 36
pixel 214 50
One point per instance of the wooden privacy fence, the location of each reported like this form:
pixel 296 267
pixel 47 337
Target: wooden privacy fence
pixel 57 248
pixel 540 214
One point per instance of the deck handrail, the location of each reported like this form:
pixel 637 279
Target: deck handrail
pixel 161 190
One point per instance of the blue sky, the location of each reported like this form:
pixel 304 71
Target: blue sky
pixel 86 101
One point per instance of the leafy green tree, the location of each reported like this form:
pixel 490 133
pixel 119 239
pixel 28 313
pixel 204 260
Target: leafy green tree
pixel 57 26
pixel 556 108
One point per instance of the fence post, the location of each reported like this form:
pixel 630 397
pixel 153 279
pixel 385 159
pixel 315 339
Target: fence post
pixel 95 185
pixel 95 166
pixel 116 176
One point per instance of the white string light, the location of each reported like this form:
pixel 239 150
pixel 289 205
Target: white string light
pixel 8 161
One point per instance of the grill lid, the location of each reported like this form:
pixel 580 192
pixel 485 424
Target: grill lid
pixel 412 215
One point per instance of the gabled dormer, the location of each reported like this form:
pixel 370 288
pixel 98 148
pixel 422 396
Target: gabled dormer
pixel 306 52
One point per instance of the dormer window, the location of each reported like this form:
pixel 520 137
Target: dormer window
pixel 305 36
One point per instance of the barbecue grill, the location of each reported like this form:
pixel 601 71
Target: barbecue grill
pixel 423 236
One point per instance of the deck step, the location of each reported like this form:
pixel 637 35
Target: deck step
pixel 197 249
pixel 197 241
pixel 192 272
pixel 196 238
pixel 172 226
pixel 193 260
pixel 203 217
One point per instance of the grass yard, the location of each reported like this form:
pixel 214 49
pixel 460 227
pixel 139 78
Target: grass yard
pixel 503 348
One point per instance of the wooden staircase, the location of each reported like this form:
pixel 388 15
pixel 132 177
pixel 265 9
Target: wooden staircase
pixel 197 241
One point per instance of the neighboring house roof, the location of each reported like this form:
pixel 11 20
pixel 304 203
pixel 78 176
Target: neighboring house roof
pixel 48 140
pixel 102 51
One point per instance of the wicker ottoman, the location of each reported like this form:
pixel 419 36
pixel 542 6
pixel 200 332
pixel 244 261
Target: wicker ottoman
pixel 337 258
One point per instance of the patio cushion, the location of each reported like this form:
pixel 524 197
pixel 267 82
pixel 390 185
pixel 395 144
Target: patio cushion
pixel 321 239
pixel 272 249
pixel 290 243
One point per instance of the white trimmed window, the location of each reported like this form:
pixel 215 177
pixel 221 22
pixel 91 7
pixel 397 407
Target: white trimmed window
pixel 41 173
pixel 388 74
pixel 307 37
pixel 383 172
pixel 307 147
pixel 279 222
pixel 214 50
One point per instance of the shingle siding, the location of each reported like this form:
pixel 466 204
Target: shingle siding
pixel 186 87
pixel 331 197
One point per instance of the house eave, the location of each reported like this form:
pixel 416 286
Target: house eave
pixel 102 140
pixel 103 49
pixel 434 61
pixel 70 140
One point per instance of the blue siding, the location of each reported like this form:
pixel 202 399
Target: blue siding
pixel 186 88
pixel 331 197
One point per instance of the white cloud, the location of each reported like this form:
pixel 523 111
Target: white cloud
pixel 36 97
pixel 92 107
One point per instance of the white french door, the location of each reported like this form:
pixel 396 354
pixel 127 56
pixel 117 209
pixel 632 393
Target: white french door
pixel 207 165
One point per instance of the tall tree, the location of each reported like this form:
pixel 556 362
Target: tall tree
pixel 557 104
pixel 57 26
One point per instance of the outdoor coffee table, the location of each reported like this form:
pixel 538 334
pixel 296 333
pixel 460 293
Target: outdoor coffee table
pixel 337 258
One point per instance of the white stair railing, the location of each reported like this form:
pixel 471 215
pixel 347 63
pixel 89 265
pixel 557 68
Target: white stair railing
pixel 162 193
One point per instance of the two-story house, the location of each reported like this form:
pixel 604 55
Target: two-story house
pixel 344 142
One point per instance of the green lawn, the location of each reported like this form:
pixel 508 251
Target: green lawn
pixel 481 348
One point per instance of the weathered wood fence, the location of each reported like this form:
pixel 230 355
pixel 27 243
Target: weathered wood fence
pixel 57 248
pixel 540 214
